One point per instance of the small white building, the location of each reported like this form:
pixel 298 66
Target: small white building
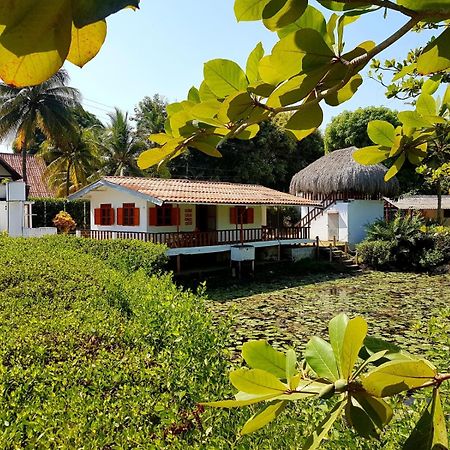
pixel 350 196
pixel 16 216
pixel 190 217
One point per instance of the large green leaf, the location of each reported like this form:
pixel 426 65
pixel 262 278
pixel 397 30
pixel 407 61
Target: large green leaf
pixel 236 107
pixel 252 68
pixel 312 18
pixel 319 355
pixel 430 433
pixel 371 155
pixel 413 119
pixel 354 336
pixel 381 132
pixel 426 105
pixel 436 55
pixel 261 355
pixel 257 381
pixel 248 10
pixel 280 13
pixel 439 6
pixel 86 12
pixel 224 77
pixel 345 93
pixel 305 121
pixel 394 377
pixel 262 419
pixel 242 400
pixel 377 409
pixel 315 440
pixel 336 330
pixel 342 6
pixel 154 156
pixel 360 420
pixel 207 144
pixel 395 168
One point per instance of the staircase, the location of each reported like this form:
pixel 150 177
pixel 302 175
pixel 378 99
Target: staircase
pixel 315 212
pixel 346 259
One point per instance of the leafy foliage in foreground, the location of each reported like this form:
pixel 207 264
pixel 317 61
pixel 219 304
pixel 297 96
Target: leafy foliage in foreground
pixel 92 357
pixel 332 370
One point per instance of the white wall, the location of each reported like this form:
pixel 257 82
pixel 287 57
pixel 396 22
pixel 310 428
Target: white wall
pixel 319 226
pixel 3 216
pixel 363 213
pixel 15 218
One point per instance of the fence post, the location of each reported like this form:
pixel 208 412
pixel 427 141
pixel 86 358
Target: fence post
pixel 317 248
pixel 331 253
pixel 334 241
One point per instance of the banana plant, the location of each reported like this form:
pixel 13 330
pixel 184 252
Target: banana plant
pixel 356 373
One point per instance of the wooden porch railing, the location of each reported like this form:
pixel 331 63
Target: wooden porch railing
pixel 204 238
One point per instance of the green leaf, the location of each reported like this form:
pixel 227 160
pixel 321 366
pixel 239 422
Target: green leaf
pixel 86 12
pixel 205 93
pixel 257 381
pixel 406 70
pixel 261 89
pixel 181 124
pixel 236 107
pixel 377 409
pixel 312 18
pixel 381 132
pixel 249 133
pixel 430 433
pixel 154 156
pixel 194 95
pixel 354 336
pixel 252 69
pixel 360 420
pixel 426 105
pixel 261 355
pixel 262 419
pixel 291 366
pixel 320 357
pixel 441 6
pixel 244 401
pixel 224 77
pixel 207 145
pixel 431 85
pixel 249 10
pixel 305 121
pixel 394 377
pixel 160 138
pixel 395 169
pixel 345 93
pixel 436 55
pixel 343 21
pixel 413 119
pixel 314 441
pixel 373 345
pixel 336 330
pixel 341 6
pixel 280 13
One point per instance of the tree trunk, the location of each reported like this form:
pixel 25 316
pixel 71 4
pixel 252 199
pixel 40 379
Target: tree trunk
pixel 440 212
pixel 68 179
pixel 24 164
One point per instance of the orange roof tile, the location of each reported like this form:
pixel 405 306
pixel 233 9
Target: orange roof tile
pixel 207 192
pixel 35 173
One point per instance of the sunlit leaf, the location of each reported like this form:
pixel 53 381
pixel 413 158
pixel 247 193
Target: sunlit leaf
pixel 249 133
pixel 280 13
pixel 336 330
pixel 381 132
pixel 371 155
pixel 252 68
pixel 345 93
pixel 248 10
pixel 249 400
pixel 305 121
pixel 413 119
pixel 224 77
pixel 257 381
pixel 354 336
pixel 262 419
pixel 436 55
pixel 395 169
pixel 261 355
pixel 320 357
pixel 194 95
pixel 312 18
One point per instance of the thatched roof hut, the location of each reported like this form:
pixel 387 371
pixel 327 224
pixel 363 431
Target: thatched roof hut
pixel 337 173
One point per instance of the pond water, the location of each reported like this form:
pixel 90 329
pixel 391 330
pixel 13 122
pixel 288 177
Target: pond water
pixel 396 306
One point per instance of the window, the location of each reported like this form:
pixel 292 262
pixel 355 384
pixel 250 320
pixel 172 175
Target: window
pixel 164 216
pixel 128 215
pixel 241 214
pixel 447 213
pixel 104 215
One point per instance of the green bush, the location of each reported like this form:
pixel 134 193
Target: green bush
pixel 95 358
pixel 45 210
pixel 377 254
pixel 127 255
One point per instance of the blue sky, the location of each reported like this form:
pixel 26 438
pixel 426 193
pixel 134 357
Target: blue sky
pixel 162 48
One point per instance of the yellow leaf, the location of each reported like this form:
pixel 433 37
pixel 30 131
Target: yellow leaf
pixel 86 42
pixel 34 39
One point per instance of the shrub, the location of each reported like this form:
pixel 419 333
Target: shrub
pixel 377 254
pixel 94 358
pixel 127 255
pixel 64 222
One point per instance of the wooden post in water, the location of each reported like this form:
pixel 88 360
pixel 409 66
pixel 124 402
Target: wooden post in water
pixel 334 241
pixel 331 253
pixel 317 248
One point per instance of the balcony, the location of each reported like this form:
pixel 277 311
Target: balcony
pixel 205 238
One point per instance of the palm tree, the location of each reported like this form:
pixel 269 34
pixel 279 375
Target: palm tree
pixel 44 108
pixel 120 147
pixel 72 165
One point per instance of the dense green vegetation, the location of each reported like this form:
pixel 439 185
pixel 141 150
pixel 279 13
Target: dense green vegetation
pixel 405 243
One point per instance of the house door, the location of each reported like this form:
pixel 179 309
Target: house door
pixel 206 218
pixel 333 226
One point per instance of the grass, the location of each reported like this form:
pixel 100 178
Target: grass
pixel 290 310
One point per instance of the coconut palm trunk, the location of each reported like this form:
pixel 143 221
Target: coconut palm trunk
pixel 24 165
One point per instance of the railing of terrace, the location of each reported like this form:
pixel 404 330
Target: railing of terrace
pixel 204 238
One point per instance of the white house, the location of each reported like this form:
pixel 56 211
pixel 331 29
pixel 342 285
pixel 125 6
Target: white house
pixel 16 217
pixel 190 217
pixel 350 196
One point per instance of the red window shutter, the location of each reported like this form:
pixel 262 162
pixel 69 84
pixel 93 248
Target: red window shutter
pixel 97 216
pixel 137 217
pixel 233 215
pixel 152 218
pixel 175 216
pixel 119 216
pixel 250 215
pixel 111 216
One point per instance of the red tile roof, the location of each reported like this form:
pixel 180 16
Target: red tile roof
pixel 207 192
pixel 35 173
